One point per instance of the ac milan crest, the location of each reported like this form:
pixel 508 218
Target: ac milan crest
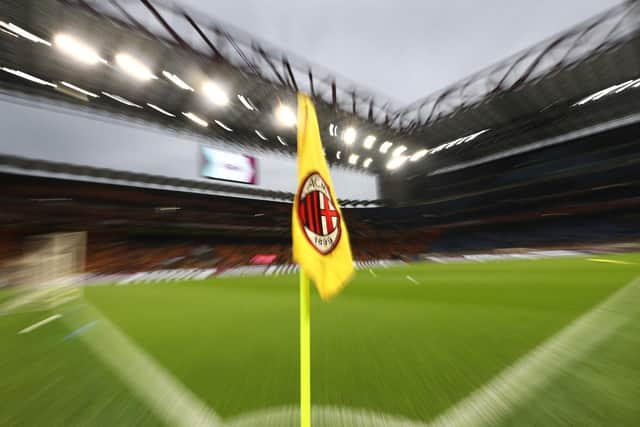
pixel 318 215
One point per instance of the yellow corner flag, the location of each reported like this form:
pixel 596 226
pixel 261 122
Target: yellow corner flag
pixel 320 238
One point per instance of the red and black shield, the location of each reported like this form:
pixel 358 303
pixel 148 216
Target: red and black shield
pixel 318 214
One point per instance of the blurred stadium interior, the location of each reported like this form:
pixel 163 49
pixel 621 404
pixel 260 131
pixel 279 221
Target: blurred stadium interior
pixel 526 141
pixel 538 152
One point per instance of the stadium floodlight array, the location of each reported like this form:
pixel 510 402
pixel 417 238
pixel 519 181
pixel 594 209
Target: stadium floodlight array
pixel 293 76
pixel 82 52
pixel 79 51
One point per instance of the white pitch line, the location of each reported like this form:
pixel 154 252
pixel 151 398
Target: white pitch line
pixel 322 416
pixel 412 280
pixel 179 406
pixel 25 299
pixel 40 323
pixel 487 405
pixel 171 400
pixel 611 261
pixel 527 376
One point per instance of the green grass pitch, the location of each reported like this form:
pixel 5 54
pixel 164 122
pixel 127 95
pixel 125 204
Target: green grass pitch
pixel 385 345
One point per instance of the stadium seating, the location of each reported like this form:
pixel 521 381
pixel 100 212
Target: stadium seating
pixel 546 232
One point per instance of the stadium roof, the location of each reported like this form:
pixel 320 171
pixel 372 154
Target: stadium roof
pixel 521 99
pixel 181 58
pixel 152 60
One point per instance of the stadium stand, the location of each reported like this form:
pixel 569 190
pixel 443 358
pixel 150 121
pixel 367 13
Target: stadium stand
pixel 512 156
pixel 127 233
pixel 546 232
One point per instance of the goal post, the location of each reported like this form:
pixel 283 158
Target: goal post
pixel 49 260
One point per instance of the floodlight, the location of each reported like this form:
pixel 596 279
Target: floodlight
pixel 121 100
pixel 79 89
pixel 418 155
pixel 133 67
pixel 285 116
pixel 76 49
pixel 398 150
pixel 246 102
pixel 349 135
pixel 396 162
pixel 369 141
pixel 177 81
pixel 385 147
pixel 196 119
pixel 27 76
pixel 15 30
pixel 223 126
pixel 161 110
pixel 215 93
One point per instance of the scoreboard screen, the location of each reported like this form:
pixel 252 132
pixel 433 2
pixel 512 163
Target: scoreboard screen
pixel 225 166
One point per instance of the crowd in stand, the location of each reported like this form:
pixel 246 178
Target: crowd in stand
pixel 127 255
pixel 115 254
pixel 135 254
pixel 122 253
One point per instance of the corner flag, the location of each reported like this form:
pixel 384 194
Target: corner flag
pixel 320 237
